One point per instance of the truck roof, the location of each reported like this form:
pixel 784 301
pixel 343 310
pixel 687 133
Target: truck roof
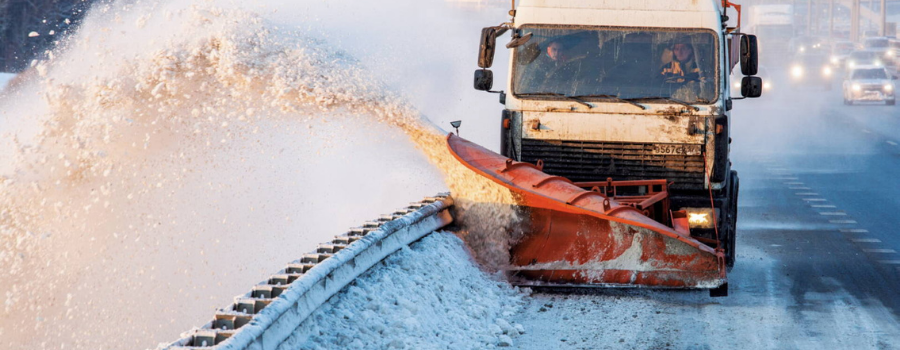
pixel 643 5
pixel 626 13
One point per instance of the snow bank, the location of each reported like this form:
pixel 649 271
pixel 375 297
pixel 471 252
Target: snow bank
pixel 429 296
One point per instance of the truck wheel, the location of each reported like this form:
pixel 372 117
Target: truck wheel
pixel 720 291
pixel 730 237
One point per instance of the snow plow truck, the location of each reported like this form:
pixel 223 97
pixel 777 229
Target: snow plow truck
pixel 615 139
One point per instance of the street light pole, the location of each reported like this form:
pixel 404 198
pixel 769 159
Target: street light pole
pixel 854 21
pixel 831 18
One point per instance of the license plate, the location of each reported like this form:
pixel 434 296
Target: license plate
pixel 682 150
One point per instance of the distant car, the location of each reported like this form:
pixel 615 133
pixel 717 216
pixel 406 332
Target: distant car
pixel 863 58
pixel 882 47
pixel 869 83
pixel 811 68
pixel 736 79
pixel 808 44
pixel 840 50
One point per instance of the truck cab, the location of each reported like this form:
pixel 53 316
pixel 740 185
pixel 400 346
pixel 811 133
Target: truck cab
pixel 628 90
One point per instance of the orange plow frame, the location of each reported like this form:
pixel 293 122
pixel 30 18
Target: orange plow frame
pixel 577 237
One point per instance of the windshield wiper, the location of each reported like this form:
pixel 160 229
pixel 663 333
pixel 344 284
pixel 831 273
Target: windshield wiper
pixel 614 98
pixel 667 99
pixel 573 98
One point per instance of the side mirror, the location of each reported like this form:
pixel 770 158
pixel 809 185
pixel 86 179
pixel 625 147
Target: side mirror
pixel 484 79
pixel 751 87
pixel 488 46
pixel 749 55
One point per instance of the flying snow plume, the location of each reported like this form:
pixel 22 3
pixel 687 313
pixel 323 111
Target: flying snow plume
pixel 169 155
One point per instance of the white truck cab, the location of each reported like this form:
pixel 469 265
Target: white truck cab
pixel 628 90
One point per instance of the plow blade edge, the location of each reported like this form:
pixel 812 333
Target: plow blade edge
pixel 576 237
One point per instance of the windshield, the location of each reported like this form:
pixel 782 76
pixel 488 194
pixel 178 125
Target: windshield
pixel 811 59
pixel 876 43
pixel 617 63
pixel 869 74
pixel 863 55
pixel 843 48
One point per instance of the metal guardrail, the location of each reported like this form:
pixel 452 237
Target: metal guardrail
pixel 273 310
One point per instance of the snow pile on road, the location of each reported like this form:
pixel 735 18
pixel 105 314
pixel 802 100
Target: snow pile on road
pixel 429 296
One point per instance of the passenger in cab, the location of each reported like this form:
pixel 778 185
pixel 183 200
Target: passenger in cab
pixel 683 68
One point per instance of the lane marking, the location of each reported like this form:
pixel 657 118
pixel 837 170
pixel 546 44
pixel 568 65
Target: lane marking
pixel 799 188
pixel 778 169
pixel 866 240
pixel 789 178
pixel 807 194
pixel 815 199
pixel 823 205
pixel 880 251
pixel 855 230
pixel 842 221
pixel 892 143
pixel 867 131
pixel 832 213
pixel 793 183
pixel 890 262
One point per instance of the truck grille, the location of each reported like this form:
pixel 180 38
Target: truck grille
pixel 597 161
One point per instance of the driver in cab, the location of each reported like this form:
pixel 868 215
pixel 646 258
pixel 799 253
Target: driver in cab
pixel 559 66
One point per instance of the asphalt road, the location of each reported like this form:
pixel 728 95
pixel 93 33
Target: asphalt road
pixel 817 265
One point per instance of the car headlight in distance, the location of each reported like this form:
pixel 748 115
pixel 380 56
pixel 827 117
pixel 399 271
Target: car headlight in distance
pixel 700 217
pixel 737 85
pixel 851 64
pixel 767 85
pixel 856 87
pixel 834 60
pixel 797 71
pixel 888 87
pixel 826 71
pixel 878 62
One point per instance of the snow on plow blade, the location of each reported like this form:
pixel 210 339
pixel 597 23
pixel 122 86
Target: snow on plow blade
pixel 576 237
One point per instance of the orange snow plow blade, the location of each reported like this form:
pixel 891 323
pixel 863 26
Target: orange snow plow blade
pixel 597 237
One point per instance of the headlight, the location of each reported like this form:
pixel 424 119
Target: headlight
pixel 797 71
pixel 767 85
pixel 878 62
pixel 890 53
pixel 834 60
pixel 737 85
pixel 856 87
pixel 888 87
pixel 802 49
pixel 851 64
pixel 827 71
pixel 700 217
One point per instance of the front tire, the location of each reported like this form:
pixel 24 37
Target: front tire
pixel 729 241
